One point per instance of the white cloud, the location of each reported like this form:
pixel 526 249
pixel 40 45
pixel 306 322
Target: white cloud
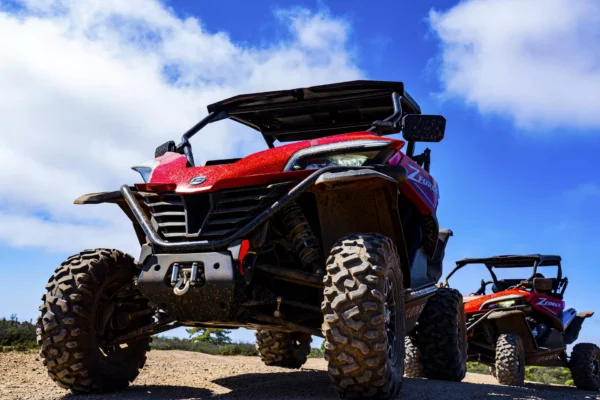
pixel 537 61
pixel 91 87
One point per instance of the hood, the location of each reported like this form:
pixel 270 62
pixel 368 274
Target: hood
pixel 258 168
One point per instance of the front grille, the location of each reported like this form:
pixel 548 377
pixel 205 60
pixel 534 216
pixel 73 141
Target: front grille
pixel 231 209
pixel 167 215
pixel 210 216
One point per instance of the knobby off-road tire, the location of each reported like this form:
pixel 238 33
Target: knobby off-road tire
pixel 364 317
pixel 442 336
pixel 283 349
pixel 412 358
pixel 585 366
pixel 73 310
pixel 510 360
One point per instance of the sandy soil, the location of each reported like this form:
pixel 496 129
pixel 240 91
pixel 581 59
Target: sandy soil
pixel 178 375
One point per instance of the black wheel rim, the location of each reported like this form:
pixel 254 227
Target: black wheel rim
pixel 390 317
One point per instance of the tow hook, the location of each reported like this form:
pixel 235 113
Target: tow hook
pixel 182 278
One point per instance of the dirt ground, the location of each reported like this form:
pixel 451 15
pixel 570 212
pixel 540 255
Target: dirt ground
pixel 179 375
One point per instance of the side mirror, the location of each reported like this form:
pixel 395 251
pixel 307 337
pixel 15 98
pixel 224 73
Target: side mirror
pixel 423 128
pixel 164 148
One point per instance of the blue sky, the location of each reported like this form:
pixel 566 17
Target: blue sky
pixel 517 170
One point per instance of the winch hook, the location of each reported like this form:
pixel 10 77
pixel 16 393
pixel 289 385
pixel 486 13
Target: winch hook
pixel 183 281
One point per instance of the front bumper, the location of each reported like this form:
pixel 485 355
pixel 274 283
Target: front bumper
pixel 212 297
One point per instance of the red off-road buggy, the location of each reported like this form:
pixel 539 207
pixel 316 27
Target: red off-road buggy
pixel 523 322
pixel 333 235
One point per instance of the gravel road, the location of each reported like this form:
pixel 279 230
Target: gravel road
pixel 179 375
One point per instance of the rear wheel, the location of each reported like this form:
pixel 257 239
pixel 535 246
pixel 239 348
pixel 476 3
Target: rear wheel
pixel 510 360
pixel 283 349
pixel 585 366
pixel 364 317
pixel 89 301
pixel 442 336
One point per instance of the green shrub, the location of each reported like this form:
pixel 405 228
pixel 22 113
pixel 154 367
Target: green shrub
pixel 546 375
pixel 17 335
pixel 237 349
pixel 316 353
pixel 229 349
pixel 478 368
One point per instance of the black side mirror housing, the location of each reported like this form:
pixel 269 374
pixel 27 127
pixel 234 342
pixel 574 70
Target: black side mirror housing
pixel 164 148
pixel 423 128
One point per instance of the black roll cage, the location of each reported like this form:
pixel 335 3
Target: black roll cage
pixel 533 260
pixel 391 123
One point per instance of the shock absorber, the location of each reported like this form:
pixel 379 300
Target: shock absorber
pixel 303 239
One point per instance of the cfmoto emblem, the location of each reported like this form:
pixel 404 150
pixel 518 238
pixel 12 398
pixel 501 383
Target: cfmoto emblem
pixel 197 180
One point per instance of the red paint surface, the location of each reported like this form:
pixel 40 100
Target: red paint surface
pixel 547 304
pixel 543 303
pixel 420 187
pixel 266 167
pixel 258 168
pixel 474 305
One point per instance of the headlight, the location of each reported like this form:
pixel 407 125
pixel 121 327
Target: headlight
pixel 503 302
pixel 345 160
pixel 146 169
pixel 349 154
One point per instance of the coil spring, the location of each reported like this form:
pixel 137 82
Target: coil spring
pixel 303 239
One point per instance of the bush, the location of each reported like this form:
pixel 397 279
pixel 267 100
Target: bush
pixel 230 349
pixel 478 368
pixel 237 349
pixel 15 335
pixel 547 375
pixel 317 353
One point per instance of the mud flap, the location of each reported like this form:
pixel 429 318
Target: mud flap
pixel 435 265
pixel 572 332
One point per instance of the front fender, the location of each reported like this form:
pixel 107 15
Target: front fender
pixel 115 197
pixel 514 321
pixel 574 327
pixel 361 200
pixel 99 198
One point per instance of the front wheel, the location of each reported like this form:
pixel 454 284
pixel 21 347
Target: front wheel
pixel 510 360
pixel 364 317
pixel 90 300
pixel 585 366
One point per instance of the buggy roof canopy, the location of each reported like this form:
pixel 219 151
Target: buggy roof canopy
pixel 317 111
pixel 514 261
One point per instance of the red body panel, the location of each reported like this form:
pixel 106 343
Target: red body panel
pixel 546 304
pixel 543 303
pixel 266 167
pixel 262 167
pixel 420 187
pixel 475 304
